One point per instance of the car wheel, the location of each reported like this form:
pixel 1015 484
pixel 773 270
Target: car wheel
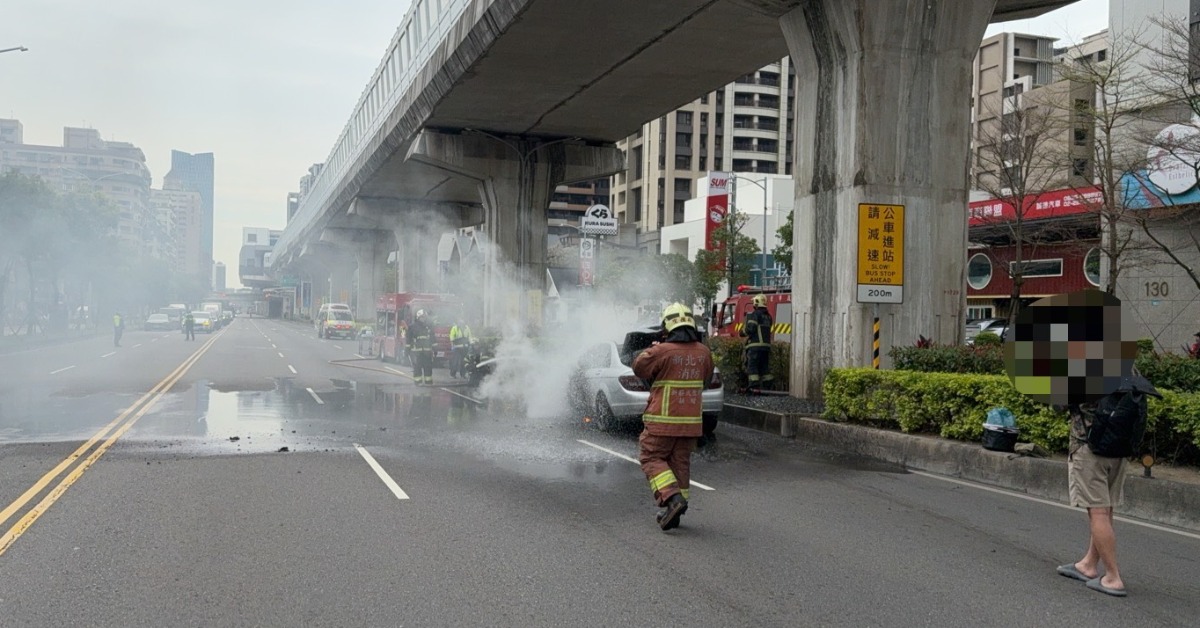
pixel 710 424
pixel 605 419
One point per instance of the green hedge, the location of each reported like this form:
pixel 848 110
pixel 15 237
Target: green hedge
pixel 728 356
pixel 1165 370
pixel 955 406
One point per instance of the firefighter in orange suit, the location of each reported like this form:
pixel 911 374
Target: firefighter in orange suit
pixel 676 369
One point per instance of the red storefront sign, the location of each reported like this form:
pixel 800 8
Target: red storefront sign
pixel 1054 204
pixel 717 207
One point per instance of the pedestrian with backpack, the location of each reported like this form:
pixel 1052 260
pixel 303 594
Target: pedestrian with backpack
pixel 1104 435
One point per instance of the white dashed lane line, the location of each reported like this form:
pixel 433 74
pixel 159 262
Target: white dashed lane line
pixel 62 369
pixel 108 354
pixel 383 475
pixel 315 396
pixel 292 369
pixel 634 461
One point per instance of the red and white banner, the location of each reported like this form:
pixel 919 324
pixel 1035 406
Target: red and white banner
pixel 587 261
pixel 716 208
pixel 1037 207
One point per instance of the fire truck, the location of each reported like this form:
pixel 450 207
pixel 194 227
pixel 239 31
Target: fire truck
pixel 728 316
pixel 397 311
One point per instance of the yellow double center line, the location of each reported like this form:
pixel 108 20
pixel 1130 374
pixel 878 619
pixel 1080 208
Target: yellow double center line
pixel 121 424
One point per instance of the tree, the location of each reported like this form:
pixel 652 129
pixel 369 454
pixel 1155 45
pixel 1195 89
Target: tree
pixel 1016 163
pixel 783 252
pixel 1107 105
pixel 21 201
pixel 733 250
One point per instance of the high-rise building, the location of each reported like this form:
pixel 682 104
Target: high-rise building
pixel 741 127
pixel 187 216
pixel 218 276
pixel 195 172
pixel 88 163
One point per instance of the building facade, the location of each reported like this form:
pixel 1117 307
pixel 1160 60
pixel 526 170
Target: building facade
pixel 254 260
pixel 195 173
pixel 742 127
pixel 87 163
pixel 185 209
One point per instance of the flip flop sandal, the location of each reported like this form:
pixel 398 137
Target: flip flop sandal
pixel 1094 584
pixel 1069 570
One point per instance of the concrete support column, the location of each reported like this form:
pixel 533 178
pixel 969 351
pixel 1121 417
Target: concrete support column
pixel 882 119
pixel 416 248
pixel 515 177
pixel 372 259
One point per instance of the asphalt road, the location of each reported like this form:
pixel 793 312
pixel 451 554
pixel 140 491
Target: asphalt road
pixel 399 506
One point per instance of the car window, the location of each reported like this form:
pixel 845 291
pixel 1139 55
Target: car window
pixel 596 357
pixel 339 315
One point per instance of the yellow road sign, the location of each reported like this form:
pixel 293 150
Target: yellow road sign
pixel 880 253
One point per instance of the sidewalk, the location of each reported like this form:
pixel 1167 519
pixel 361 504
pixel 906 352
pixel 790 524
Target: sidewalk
pixel 1171 498
pixel 11 343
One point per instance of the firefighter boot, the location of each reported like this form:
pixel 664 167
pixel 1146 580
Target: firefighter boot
pixel 669 517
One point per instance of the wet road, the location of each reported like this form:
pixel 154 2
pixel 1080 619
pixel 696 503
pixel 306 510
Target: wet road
pixel 418 507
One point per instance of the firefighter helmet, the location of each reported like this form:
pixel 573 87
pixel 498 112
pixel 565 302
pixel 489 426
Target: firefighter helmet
pixel 677 315
pixel 420 313
pixel 760 300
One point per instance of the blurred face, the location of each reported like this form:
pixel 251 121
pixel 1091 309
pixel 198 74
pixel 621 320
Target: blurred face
pixel 1068 349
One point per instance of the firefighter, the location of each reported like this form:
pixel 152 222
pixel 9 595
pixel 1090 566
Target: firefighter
pixel 756 327
pixel 676 370
pixel 460 342
pixel 420 348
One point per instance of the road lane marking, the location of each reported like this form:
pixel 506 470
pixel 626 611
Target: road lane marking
pixel 383 475
pixel 315 396
pixel 108 354
pixel 336 347
pixel 146 402
pixel 280 353
pixel 624 457
pixel 360 356
pixel 137 345
pixel 154 340
pixel 62 369
pixel 272 344
pixel 292 369
pixel 1047 502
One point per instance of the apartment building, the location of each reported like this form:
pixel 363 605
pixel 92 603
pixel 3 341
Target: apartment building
pixel 744 127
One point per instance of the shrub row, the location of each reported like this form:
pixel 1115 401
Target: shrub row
pixel 728 357
pixel 954 405
pixel 1165 370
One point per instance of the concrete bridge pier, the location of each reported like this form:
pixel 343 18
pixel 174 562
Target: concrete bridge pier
pixel 515 177
pixel 370 249
pixel 883 120
pixel 336 281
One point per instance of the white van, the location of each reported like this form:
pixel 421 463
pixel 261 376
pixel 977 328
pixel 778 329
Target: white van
pixel 325 309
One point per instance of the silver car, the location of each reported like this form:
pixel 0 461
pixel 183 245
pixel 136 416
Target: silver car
pixel 604 388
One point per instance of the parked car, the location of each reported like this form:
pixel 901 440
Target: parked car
pixel 325 309
pixel 159 322
pixel 975 328
pixel 336 324
pixel 226 317
pixel 604 387
pixel 203 322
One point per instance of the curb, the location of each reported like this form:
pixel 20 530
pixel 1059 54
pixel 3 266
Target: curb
pixel 41 342
pixel 1156 500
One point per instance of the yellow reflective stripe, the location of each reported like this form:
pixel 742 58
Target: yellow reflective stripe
pixel 658 418
pixel 781 328
pixel 678 383
pixel 663 480
pixel 686 492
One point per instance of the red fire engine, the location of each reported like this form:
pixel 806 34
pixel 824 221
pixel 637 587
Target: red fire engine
pixel 398 310
pixel 728 316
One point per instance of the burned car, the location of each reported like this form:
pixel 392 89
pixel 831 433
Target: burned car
pixel 603 386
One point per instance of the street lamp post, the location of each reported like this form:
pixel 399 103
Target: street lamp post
pixel 762 185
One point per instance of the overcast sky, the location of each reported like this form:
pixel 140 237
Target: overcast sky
pixel 265 86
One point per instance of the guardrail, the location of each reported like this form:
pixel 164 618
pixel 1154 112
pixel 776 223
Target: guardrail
pixel 420 33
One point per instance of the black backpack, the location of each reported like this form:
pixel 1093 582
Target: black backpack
pixel 1118 425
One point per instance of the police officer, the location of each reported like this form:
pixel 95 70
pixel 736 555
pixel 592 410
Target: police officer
pixel 118 328
pixel 757 330
pixel 189 327
pixel 460 342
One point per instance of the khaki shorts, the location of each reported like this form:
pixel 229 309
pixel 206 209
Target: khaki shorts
pixel 1094 481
